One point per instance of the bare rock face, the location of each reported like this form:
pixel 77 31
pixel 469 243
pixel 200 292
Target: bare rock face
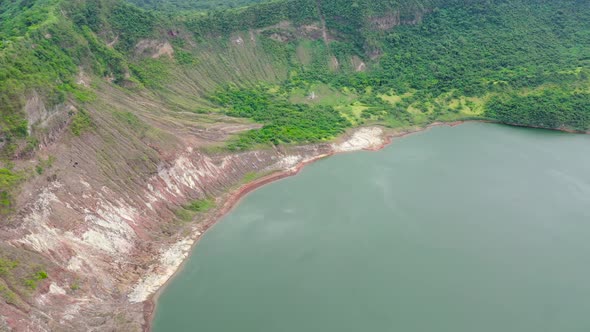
pixel 363 139
pixel 46 123
pixel 386 22
pixel 393 19
pixel 154 48
pixel 113 244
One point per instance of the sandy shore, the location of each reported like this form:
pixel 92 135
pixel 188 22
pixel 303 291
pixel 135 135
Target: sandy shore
pixel 230 200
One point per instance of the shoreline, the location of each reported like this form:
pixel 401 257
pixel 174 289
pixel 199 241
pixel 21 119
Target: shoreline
pixel 232 198
pixel 229 203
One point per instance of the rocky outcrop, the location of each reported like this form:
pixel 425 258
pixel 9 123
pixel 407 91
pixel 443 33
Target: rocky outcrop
pixel 46 123
pixel 393 19
pixel 154 49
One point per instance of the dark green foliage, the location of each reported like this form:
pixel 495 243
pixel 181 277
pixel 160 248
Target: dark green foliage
pixel 132 24
pixel 549 109
pixel 184 57
pixel 17 17
pixel 488 46
pixel 176 5
pixel 283 122
pixel 253 17
pixel 107 61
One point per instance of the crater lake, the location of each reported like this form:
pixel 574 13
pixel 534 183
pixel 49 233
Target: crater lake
pixel 479 227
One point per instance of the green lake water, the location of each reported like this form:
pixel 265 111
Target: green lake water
pixel 474 228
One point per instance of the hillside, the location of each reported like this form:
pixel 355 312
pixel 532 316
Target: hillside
pixel 173 6
pixel 121 125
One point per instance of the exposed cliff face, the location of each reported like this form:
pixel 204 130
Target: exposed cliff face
pixel 391 20
pixel 112 246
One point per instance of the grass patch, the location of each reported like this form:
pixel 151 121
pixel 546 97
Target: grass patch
pixel 81 122
pixel 323 95
pixel 394 98
pixel 8 295
pixel 353 112
pixel 132 121
pixel 8 181
pixel 7 265
pixel 74 286
pixel 153 73
pixel 188 212
pixel 250 176
pixel 201 205
pixel 32 281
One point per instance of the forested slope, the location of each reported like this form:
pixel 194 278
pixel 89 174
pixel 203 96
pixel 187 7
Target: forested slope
pixel 172 6
pixel 394 62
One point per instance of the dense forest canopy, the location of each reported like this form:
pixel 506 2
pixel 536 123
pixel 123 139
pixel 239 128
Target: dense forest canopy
pixel 305 69
pixel 176 5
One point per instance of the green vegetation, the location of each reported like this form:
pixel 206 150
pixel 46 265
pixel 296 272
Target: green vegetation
pixel 135 24
pixel 74 286
pixel 392 62
pixel 39 55
pixel 7 265
pixel 283 122
pixel 20 275
pixel 6 268
pixel 8 295
pixel 44 164
pixel 202 205
pixel 81 122
pixel 153 73
pixel 249 177
pixel 131 121
pixel 445 53
pixel 33 280
pixel 176 5
pixel 552 108
pixel 436 70
pixel 21 66
pixel 8 180
pixel 189 211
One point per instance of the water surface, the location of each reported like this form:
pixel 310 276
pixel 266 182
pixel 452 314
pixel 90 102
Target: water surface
pixel 474 228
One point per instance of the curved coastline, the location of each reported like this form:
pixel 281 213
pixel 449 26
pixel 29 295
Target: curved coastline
pixel 233 198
